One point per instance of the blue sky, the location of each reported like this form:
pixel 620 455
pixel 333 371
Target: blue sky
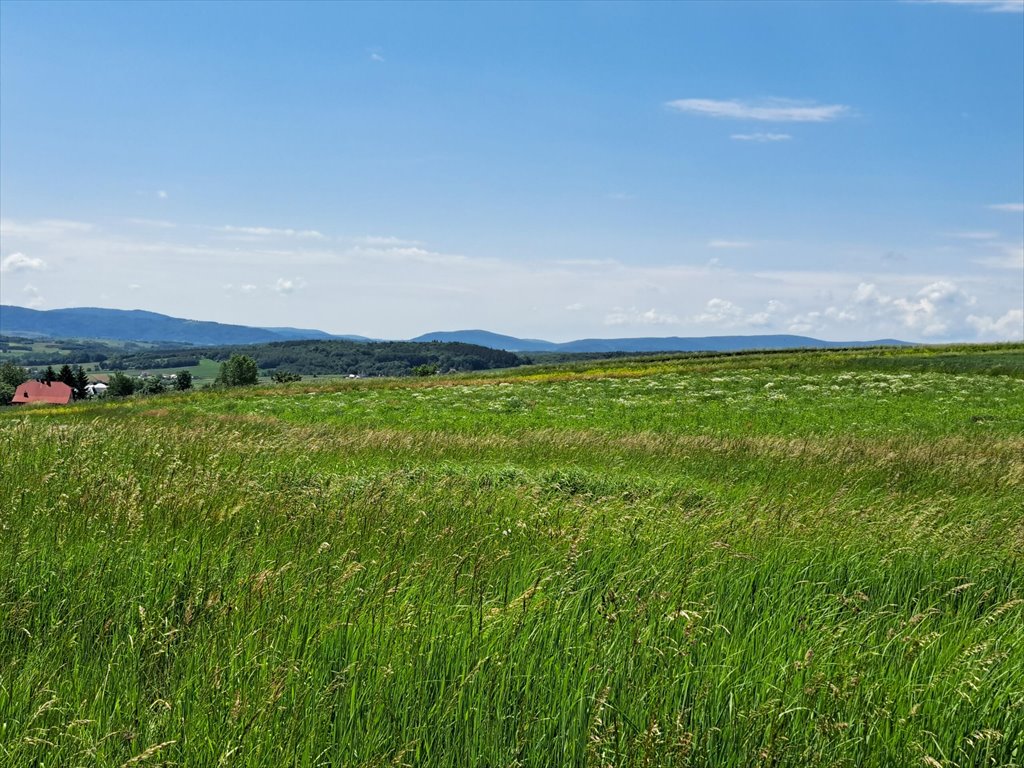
pixel 844 170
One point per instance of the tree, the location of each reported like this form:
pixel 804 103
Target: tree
pixel 424 370
pixel 12 374
pixel 183 381
pixel 80 382
pixel 238 371
pixel 151 385
pixel 49 375
pixel 283 377
pixel 66 375
pixel 121 385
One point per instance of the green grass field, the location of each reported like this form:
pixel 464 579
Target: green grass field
pixel 805 559
pixel 204 373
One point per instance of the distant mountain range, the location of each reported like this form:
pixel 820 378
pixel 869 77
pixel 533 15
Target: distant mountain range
pixel 648 343
pixel 138 325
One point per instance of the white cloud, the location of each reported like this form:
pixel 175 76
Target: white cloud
pixel 935 310
pixel 973 235
pixel 868 292
pixel 729 244
pixel 156 223
pixel 398 290
pixel 414 254
pixel 805 323
pixel 375 241
pixel 633 316
pixel 586 262
pixel 1009 327
pixel 766 110
pixel 19 262
pixel 1012 257
pixel 162 194
pixel 246 289
pixel 771 310
pixel 44 229
pixel 376 55
pixel 1008 207
pixel 991 6
pixel 723 314
pixel 285 285
pixel 68 225
pixel 817 320
pixel 34 300
pixel 761 138
pixel 258 232
pixel 134 287
pixel 720 312
pixel 576 307
pixel 842 315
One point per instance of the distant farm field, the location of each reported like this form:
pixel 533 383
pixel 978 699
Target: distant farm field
pixel 800 559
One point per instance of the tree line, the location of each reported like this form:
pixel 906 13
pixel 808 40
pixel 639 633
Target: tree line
pixel 70 351
pixel 334 357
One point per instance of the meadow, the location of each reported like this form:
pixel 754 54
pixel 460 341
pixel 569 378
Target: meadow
pixel 797 559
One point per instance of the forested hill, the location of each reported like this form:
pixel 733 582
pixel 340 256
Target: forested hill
pixel 330 357
pixel 138 325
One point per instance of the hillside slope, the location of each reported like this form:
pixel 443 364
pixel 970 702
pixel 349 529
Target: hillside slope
pixel 139 325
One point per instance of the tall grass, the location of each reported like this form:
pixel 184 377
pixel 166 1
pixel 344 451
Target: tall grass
pixel 522 570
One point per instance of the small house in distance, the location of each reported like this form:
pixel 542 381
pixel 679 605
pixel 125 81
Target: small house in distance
pixel 53 392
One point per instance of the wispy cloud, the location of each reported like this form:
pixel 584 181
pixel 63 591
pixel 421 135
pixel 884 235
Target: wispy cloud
pixel 991 6
pixel 761 138
pixel 390 288
pixel 162 194
pixel 723 313
pixel 246 289
pixel 1008 207
pixel 1009 327
pixel 766 110
pixel 33 298
pixel 375 241
pixel 894 257
pixel 409 254
pixel 815 320
pixel 286 285
pixel 270 232
pixel 155 223
pixel 633 316
pixel 973 235
pixel 1012 257
pixel 19 262
pixel 586 262
pixel 44 229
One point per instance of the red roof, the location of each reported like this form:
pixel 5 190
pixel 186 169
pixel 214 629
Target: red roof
pixel 56 392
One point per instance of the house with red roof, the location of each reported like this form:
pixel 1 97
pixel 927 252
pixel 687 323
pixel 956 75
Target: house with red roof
pixel 53 392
